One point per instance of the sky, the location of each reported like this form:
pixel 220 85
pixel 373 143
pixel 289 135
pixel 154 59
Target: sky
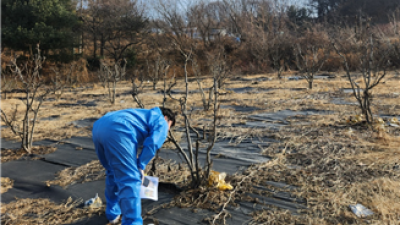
pixel 151 5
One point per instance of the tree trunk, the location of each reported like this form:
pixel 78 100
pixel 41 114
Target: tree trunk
pixel 94 46
pixel 114 92
pixel 102 44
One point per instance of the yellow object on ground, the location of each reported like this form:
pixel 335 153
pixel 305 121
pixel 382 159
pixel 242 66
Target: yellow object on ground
pixel 217 179
pixel 379 124
pixel 379 121
pixel 94 203
pixel 394 120
pixel 359 118
pixel 355 119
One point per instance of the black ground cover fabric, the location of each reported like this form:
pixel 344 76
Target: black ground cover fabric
pixel 282 115
pixel 341 101
pixel 29 180
pixel 83 142
pixel 30 175
pixel 240 108
pixel 10 144
pixel 79 103
pixel 51 118
pixel 85 123
pixel 227 156
pixel 70 154
pixel 250 90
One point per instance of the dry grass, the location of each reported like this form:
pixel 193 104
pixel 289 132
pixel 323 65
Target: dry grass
pixel 283 98
pixel 43 211
pixel 6 183
pixel 85 173
pixel 337 163
pixel 333 171
pixel 15 154
pixel 169 172
pixel 166 170
pixel 211 198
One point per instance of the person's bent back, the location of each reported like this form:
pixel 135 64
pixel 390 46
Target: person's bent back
pixel 117 136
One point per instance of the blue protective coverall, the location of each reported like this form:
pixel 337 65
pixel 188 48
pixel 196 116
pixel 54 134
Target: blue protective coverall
pixel 116 137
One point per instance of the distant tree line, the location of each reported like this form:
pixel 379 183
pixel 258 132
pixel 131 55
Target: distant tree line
pixel 347 10
pixel 256 35
pixel 50 23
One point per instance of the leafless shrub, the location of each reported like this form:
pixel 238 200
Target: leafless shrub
pixel 373 53
pixel 63 76
pixel 8 82
pixel 137 86
pixel 311 52
pixel 116 25
pixel 110 74
pixel 28 74
pixel 279 51
pixel 197 72
pixel 218 68
pixel 259 33
pixel 154 70
pixel 164 69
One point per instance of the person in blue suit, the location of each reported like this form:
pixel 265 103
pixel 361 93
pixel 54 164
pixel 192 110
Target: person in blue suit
pixel 117 137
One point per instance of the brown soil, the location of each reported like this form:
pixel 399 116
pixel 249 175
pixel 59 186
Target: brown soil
pixel 15 154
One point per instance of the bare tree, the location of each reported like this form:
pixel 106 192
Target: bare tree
pixel 394 18
pixel 8 82
pixel 28 73
pixel 126 27
pixel 372 53
pixel 117 24
pixel 279 49
pixel 238 16
pixel 164 70
pixel 217 67
pixel 259 32
pixel 137 86
pixel 93 24
pixel 206 23
pixel 111 73
pixel 154 70
pixel 309 62
pixel 311 52
pixel 262 28
pixel 197 72
pixel 64 75
pixel 177 29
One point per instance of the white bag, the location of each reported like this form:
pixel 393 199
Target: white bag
pixel 149 188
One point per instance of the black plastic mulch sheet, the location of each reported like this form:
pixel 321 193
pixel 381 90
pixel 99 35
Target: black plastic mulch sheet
pixel 282 115
pixel 29 180
pixel 30 175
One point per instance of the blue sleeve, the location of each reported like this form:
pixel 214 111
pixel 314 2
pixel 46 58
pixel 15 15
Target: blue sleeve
pixel 158 134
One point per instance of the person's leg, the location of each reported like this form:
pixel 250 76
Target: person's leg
pixel 113 209
pixel 129 189
pixel 121 154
